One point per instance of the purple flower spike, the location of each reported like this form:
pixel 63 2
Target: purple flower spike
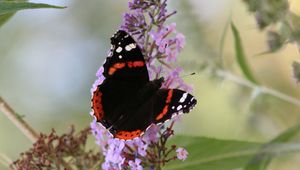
pixel 160 44
pixel 135 165
pixel 140 4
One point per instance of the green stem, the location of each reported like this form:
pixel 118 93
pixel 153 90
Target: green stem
pixel 229 76
pixel 5 160
pixel 23 126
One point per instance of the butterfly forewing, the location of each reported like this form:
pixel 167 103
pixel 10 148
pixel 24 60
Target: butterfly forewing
pixel 125 60
pixel 125 72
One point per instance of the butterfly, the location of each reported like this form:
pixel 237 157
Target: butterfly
pixel 127 102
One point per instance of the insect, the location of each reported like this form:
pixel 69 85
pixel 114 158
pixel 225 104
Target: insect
pixel 127 102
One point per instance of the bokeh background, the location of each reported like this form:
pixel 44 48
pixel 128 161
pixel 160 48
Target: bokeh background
pixel 49 57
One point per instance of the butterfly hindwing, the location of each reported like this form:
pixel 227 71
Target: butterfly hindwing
pixel 161 107
pixel 171 102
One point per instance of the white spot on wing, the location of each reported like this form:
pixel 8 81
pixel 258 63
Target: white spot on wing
pixel 131 46
pixel 182 99
pixel 120 57
pixel 179 107
pixel 127 48
pixel 109 53
pixel 119 49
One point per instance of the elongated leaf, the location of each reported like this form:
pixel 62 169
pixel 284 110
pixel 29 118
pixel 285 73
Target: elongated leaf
pixel 213 154
pixel 240 54
pixel 8 7
pixel 5 17
pixel 261 160
pixel 223 38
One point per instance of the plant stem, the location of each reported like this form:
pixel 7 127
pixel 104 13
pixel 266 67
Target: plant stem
pixel 23 126
pixel 229 76
pixel 5 160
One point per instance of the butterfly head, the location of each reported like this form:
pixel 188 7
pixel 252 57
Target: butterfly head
pixel 158 82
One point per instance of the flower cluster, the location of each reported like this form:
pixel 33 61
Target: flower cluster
pixel 51 151
pixel 160 44
pixel 282 25
pixel 268 12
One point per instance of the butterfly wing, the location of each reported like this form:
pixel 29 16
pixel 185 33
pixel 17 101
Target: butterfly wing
pixel 162 106
pixel 125 72
pixel 115 102
pixel 125 60
pixel 170 102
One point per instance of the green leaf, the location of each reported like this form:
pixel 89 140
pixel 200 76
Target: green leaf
pixel 262 159
pixel 8 7
pixel 213 154
pixel 223 38
pixel 296 71
pixel 5 17
pixel 240 55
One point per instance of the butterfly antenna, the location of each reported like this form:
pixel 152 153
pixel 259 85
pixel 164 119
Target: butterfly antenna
pixel 191 74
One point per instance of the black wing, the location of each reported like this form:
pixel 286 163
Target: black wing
pixel 125 73
pixel 162 106
pixel 125 60
pixel 170 102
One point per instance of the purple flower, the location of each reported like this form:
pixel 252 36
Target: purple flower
pixel 155 71
pixel 100 72
pixel 108 166
pixel 100 134
pixel 181 154
pixel 151 135
pixel 135 23
pixel 161 37
pixel 163 45
pixel 100 79
pixel 141 147
pixel 140 4
pixel 136 165
pixel 172 80
pixel 180 41
pixel 171 55
pixel 167 46
pixel 113 154
pixel 171 28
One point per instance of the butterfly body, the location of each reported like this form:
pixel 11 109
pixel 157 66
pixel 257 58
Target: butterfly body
pixel 127 102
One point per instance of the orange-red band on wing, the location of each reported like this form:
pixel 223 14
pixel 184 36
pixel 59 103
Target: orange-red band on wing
pixel 165 109
pixel 127 135
pixel 116 67
pixel 135 64
pixel 97 105
pixel 130 64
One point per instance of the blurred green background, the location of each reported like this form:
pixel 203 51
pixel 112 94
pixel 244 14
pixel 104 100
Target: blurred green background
pixel 49 57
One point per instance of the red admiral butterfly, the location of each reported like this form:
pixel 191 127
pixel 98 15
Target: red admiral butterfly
pixel 127 102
